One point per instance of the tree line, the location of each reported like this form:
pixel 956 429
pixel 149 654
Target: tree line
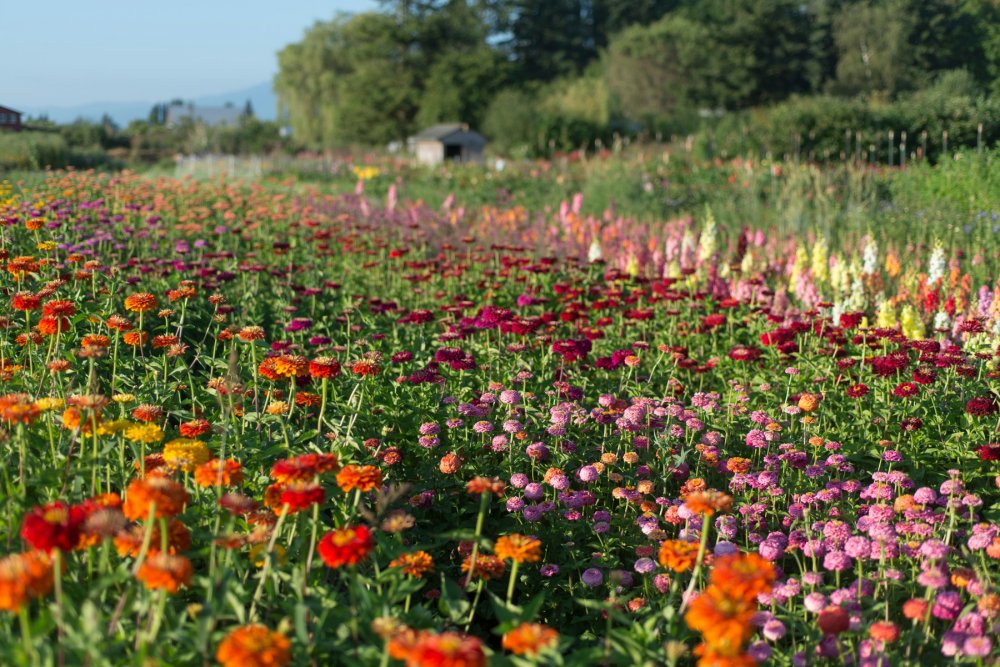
pixel 548 74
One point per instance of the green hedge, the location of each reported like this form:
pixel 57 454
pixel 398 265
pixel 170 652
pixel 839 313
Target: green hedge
pixel 823 127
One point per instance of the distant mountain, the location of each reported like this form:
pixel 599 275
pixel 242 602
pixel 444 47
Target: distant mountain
pixel 261 96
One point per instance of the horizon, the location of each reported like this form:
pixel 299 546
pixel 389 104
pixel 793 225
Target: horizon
pixel 228 47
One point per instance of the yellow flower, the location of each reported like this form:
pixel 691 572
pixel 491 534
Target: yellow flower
pixel 47 245
pixel 115 427
pixel 185 454
pixel 50 403
pixel 258 553
pixel 146 433
pixel 123 398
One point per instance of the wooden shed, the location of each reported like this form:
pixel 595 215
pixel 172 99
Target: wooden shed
pixel 447 141
pixel 10 119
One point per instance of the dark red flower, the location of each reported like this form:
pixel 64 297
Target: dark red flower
pixel 53 526
pixel 990 452
pixel 857 390
pixel 981 406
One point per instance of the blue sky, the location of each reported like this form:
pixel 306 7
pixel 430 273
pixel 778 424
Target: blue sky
pixel 66 53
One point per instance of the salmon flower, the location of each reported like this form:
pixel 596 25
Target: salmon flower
pixel 23 577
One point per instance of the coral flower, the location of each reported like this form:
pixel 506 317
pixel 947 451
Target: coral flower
pixel 22 577
pixel 167 495
pixel 140 302
pixel 448 649
pixel 529 639
pixel 742 575
pixel 346 546
pixel 53 526
pixel 884 631
pixel 251 333
pixel 518 548
pixel 60 308
pixel 833 620
pixel 303 467
pixel 725 622
pixel 488 566
pixel 365 367
pixel 254 646
pixel 195 428
pixel 365 478
pixel 167 572
pixel 414 563
pixel 678 555
pixel 709 656
pixel 480 485
pixel 218 472
pixel 50 326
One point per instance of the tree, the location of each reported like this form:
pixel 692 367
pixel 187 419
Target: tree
pixel 873 52
pixel 653 70
pixel 460 86
pixel 347 81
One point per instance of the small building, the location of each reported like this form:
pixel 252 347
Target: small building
pixel 10 119
pixel 211 116
pixel 447 141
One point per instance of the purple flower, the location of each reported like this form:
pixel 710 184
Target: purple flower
pixel 947 605
pixel 548 570
pixel 592 577
pixel 645 565
pixel 588 473
pixel 977 647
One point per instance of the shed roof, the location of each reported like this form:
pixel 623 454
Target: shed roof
pixel 450 133
pixel 8 109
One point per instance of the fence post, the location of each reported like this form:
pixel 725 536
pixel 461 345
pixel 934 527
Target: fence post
pixel 944 143
pixel 902 149
pixel 892 146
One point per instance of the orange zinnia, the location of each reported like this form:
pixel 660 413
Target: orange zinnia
pixel 140 302
pixel 168 495
pixel 415 563
pixel 480 485
pixel 254 646
pixel 529 639
pixel 742 575
pixel 365 478
pixel 218 472
pixel 518 548
pixel 22 577
pixel 709 656
pixel 167 572
pixel 678 555
pixel 129 541
pixel 708 502
pixel 448 649
pixel 723 621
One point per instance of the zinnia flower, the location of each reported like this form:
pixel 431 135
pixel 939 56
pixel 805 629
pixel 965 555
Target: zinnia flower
pixel 678 555
pixel 53 526
pixel 518 548
pixel 22 577
pixel 254 646
pixel 529 639
pixel 218 472
pixel 167 572
pixel 140 302
pixel 449 649
pixel 346 546
pixel 364 478
pixel 167 495
pixel 414 563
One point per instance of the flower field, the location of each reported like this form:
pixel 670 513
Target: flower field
pixel 257 424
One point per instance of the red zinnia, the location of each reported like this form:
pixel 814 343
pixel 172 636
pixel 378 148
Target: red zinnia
pixel 25 301
pixel 53 526
pixel 346 546
pixel 833 620
pixel 857 390
pixel 324 367
pixel 980 406
pixel 298 496
pixel 990 452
